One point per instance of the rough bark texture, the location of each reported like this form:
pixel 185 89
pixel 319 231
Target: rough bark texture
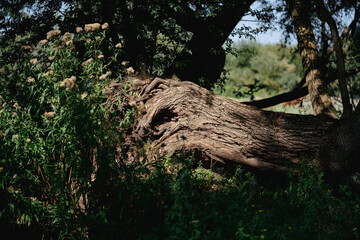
pixel 181 116
pixel 318 91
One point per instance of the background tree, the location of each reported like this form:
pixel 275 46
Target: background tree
pixel 276 67
pixel 313 74
pixel 322 42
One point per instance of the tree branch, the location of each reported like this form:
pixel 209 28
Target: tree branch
pixel 179 116
pixel 284 97
pixel 325 14
pixel 296 93
pixel 344 34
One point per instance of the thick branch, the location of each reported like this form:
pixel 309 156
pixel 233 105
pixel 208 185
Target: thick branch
pixel 296 93
pixel 176 117
pixel 347 109
pixel 181 116
pixel 284 97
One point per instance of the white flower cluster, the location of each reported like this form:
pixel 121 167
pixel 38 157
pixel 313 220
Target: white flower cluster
pixel 87 62
pixel 92 27
pixel 68 83
pixel 52 34
pixel 102 77
pixel 49 114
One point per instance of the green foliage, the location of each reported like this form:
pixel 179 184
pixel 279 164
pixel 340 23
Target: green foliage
pixel 255 67
pixel 162 38
pixel 186 201
pixel 52 129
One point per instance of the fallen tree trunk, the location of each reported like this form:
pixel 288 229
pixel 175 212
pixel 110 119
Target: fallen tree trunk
pixel 181 116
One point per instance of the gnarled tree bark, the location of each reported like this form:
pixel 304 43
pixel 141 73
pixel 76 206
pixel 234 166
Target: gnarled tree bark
pixel 314 75
pixel 182 116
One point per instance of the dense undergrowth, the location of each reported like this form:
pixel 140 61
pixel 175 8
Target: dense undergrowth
pixel 61 176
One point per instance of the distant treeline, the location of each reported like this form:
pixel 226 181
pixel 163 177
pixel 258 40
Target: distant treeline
pixel 267 69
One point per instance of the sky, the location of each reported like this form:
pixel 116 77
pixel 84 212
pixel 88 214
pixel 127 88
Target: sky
pixel 269 37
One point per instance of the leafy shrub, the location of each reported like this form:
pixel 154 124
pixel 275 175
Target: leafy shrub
pixel 52 132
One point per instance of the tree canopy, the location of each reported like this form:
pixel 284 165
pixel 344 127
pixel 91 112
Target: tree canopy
pixel 161 37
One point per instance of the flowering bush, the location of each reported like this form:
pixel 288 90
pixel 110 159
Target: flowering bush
pixel 52 132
